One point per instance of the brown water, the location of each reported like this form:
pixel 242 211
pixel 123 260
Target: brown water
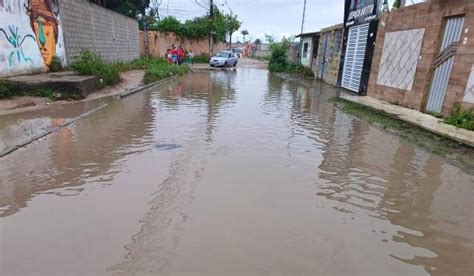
pixel 232 173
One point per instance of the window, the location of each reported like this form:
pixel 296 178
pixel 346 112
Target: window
pixel 305 50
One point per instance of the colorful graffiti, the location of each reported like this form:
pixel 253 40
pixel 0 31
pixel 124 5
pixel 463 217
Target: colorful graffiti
pixel 16 40
pixel 44 21
pixel 30 36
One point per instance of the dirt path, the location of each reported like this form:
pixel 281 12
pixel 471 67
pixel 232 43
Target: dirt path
pixel 131 80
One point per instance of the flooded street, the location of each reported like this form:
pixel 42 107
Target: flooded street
pixel 232 173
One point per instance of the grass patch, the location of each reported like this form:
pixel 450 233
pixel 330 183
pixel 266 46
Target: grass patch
pixel 264 58
pixel 456 153
pixel 107 73
pixel 159 69
pixel 461 118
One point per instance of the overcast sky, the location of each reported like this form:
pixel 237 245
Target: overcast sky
pixel 277 17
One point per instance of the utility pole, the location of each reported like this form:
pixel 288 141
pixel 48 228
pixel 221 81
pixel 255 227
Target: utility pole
pixel 302 28
pixel 211 35
pixel 304 13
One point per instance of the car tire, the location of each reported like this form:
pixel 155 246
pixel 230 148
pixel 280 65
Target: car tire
pixel 211 65
pixel 235 64
pixel 226 64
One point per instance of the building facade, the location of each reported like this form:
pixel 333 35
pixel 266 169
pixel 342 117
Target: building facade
pixel 424 57
pixel 326 66
pixel 360 31
pixel 309 48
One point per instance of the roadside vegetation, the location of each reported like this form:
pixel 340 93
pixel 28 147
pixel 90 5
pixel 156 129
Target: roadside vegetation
pixel 202 58
pixel 264 58
pixel 8 91
pixel 455 152
pixel 159 69
pixel 461 118
pixel 279 59
pixel 107 73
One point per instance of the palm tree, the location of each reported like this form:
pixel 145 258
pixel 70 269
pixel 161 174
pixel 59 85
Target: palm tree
pixel 257 43
pixel 244 33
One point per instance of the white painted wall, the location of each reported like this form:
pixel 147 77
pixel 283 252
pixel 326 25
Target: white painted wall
pixel 306 60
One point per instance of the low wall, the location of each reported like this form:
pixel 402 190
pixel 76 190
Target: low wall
pixel 408 41
pixel 88 26
pixel 158 43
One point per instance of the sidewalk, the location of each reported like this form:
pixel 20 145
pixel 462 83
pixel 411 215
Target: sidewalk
pixel 24 125
pixel 415 117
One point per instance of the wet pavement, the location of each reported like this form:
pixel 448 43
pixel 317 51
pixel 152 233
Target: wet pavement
pixel 239 173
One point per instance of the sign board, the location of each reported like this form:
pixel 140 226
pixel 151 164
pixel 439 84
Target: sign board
pixel 360 11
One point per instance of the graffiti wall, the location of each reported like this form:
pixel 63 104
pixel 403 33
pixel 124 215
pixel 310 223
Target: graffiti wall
pixel 30 36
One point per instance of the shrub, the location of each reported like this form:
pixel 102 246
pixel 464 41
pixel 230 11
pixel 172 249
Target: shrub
pixel 5 90
pixel 56 64
pixel 461 118
pixel 202 58
pixel 89 63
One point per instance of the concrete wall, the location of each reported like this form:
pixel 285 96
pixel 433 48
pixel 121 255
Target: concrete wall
pixel 31 33
pixel 88 26
pixel 328 59
pixel 408 41
pixel 159 42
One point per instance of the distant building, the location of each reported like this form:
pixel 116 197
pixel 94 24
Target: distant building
pixel 309 48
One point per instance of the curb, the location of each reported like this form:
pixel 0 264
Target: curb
pixel 150 85
pixel 453 133
pixel 7 151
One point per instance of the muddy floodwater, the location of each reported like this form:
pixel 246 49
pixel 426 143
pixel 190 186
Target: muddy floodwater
pixel 232 173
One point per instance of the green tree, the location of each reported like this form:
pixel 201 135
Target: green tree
pixel 232 24
pixel 244 33
pixel 270 38
pixel 396 4
pixel 131 8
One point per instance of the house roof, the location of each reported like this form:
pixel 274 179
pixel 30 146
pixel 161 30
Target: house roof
pixel 334 27
pixel 313 34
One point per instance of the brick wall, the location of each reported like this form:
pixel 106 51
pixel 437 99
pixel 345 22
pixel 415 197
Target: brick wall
pixel 430 17
pixel 159 42
pixel 89 26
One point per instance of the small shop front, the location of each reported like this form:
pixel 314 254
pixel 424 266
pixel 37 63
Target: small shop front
pixel 360 30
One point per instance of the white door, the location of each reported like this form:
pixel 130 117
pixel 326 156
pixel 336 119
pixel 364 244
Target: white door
pixel 354 59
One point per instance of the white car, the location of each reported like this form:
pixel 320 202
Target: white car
pixel 224 58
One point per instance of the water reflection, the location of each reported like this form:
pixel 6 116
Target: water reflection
pixel 371 173
pixel 71 156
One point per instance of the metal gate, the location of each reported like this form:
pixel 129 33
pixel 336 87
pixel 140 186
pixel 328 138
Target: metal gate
pixel 354 58
pixel 444 64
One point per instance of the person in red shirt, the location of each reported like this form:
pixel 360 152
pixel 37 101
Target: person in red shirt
pixel 174 54
pixel 180 55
